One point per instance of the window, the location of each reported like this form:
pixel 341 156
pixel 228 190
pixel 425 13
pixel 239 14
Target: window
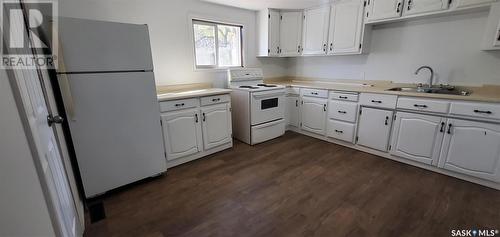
pixel 217 45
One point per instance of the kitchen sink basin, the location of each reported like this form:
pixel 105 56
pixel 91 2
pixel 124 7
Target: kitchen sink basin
pixel 433 90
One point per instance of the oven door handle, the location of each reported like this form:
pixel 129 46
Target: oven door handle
pixel 270 95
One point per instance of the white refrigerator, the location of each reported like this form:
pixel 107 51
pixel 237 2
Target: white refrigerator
pixel 108 88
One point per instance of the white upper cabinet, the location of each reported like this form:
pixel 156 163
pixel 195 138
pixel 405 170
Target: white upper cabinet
pixel 472 148
pixel 374 128
pixel 470 3
pixel 491 38
pixel 316 31
pixel 346 27
pixel 383 9
pixel 313 115
pixel 292 110
pixel 412 7
pixel 418 137
pixel 291 33
pixel 268 24
pixel 182 133
pixel 216 125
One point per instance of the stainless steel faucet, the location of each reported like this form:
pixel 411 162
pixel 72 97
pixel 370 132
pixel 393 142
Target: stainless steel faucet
pixel 432 74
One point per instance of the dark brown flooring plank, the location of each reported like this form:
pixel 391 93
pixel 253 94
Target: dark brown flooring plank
pixel 298 186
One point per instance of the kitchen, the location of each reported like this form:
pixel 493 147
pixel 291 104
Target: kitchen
pixel 348 117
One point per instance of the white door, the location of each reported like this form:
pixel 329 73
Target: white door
pixel 374 128
pixel 413 7
pixel 292 111
pixel 216 124
pixel 383 9
pixel 313 115
pixel 290 33
pixel 472 148
pixel 35 107
pixel 418 137
pixel 346 27
pixel 274 32
pixel 316 31
pixel 182 133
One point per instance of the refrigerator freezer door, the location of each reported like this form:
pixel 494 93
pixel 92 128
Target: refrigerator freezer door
pixel 98 46
pixel 115 129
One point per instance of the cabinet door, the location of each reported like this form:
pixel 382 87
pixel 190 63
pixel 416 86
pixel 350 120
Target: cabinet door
pixel 418 137
pixel 216 125
pixel 290 33
pixel 412 7
pixel 472 148
pixel 316 30
pixel 471 3
pixel 346 27
pixel 374 128
pixel 383 9
pixel 274 32
pixel 182 133
pixel 313 113
pixel 497 36
pixel 292 111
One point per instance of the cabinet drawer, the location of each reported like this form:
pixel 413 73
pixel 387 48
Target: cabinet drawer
pixel 341 130
pixel 479 110
pixel 340 110
pixel 335 95
pixel 293 91
pixel 216 99
pixel 314 93
pixel 378 100
pixel 172 105
pixel 437 106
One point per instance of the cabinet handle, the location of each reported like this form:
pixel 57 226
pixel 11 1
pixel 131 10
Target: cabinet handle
pixel 338 131
pixel 397 8
pixel 409 4
pixel 296 103
pixel 204 117
pixel 377 101
pixel 215 100
pixel 324 107
pixel 343 97
pixel 179 105
pixel 482 111
pixel 342 112
pixel 442 127
pixel 298 49
pixel 386 120
pixel 331 46
pixel 196 118
pixel 449 128
pixel 314 93
pixel 278 50
pixel 420 106
pixel 498 36
pixel 324 47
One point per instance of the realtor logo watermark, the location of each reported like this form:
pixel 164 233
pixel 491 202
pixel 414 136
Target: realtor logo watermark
pixel 29 34
pixel 475 232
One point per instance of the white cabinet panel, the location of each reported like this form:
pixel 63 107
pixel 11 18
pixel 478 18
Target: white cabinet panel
pixel 292 111
pixel 346 27
pixel 340 110
pixel 412 7
pixel 216 125
pixel 274 32
pixel 313 115
pixel 316 30
pixel 418 137
pixel 383 9
pixel 472 148
pixel 290 33
pixel 268 29
pixel 341 130
pixel 182 133
pixel 470 3
pixel 374 128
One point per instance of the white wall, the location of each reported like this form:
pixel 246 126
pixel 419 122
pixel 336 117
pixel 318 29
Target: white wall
pixel 451 45
pixel 22 204
pixel 169 31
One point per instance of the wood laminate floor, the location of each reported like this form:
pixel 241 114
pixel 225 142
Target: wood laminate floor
pixel 298 186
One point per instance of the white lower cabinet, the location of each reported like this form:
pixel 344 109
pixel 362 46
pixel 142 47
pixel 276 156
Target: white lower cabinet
pixel 418 137
pixel 292 110
pixel 216 125
pixel 182 133
pixel 374 128
pixel 341 130
pixel 313 115
pixel 472 148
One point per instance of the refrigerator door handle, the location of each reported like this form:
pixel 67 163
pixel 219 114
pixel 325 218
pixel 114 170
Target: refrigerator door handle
pixel 67 96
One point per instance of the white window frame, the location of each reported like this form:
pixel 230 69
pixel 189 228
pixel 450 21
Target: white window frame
pixel 214 22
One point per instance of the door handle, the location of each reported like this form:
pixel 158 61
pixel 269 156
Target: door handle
pixel 410 2
pixel 482 111
pixel 442 127
pixel 386 120
pixel 331 46
pixel 338 131
pixel 324 107
pixel 296 103
pixel 204 117
pixel 196 118
pixel 420 106
pixel 54 119
pixel 377 101
pixel 342 112
pixel 449 128
pixel 343 97
pixel 398 10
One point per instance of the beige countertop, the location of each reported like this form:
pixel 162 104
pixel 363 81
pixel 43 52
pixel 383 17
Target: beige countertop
pixel 176 92
pixel 485 93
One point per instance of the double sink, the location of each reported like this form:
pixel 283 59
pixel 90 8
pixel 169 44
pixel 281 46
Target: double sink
pixel 445 90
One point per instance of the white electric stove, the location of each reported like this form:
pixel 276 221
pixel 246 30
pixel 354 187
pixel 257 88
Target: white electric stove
pixel 258 108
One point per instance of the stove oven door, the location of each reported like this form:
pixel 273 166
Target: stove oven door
pixel 267 106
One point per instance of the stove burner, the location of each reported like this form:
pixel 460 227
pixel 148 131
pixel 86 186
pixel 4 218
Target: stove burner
pixel 266 85
pixel 249 87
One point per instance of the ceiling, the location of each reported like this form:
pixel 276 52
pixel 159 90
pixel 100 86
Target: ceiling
pixel 263 4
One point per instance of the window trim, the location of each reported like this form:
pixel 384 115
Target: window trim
pixel 214 22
